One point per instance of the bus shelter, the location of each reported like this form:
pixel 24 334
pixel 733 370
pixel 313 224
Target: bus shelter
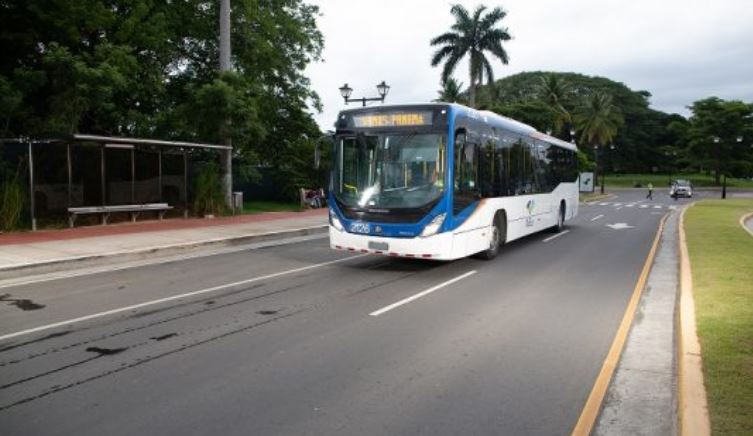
pixel 106 174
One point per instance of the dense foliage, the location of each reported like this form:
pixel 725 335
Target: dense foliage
pixel 718 136
pixel 552 102
pixel 148 68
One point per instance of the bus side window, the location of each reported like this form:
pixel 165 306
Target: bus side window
pixel 487 170
pixel 466 173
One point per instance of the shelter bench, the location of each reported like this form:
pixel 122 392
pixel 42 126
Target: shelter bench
pixel 132 209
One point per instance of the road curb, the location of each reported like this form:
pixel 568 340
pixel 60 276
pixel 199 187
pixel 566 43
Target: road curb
pixel 693 408
pixel 600 197
pixel 744 219
pixel 55 265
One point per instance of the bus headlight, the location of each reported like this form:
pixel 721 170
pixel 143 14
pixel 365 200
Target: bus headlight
pixel 335 221
pixel 433 226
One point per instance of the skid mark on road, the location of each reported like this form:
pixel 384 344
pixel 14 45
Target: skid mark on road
pixel 141 361
pixel 174 297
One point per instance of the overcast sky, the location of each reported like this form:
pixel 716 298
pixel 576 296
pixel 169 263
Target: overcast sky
pixel 679 50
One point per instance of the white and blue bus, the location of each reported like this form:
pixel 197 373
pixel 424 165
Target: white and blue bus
pixel 444 181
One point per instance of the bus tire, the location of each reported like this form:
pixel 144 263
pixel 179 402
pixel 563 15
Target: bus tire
pixel 560 226
pixel 498 237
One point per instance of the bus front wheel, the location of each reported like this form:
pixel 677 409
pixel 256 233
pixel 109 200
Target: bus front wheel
pixel 497 238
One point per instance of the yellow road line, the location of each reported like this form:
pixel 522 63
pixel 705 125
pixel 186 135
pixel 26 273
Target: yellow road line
pixel 591 410
pixel 693 409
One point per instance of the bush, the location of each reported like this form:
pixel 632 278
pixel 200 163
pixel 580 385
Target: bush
pixel 209 198
pixel 12 202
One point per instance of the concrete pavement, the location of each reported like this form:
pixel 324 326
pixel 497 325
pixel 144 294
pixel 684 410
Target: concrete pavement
pixel 25 253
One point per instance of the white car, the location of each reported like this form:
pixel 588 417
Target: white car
pixel 681 188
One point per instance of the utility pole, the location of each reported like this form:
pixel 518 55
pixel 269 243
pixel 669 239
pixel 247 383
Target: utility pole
pixel 226 156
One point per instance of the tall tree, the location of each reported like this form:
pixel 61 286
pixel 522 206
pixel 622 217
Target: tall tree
pixel 473 36
pixel 149 67
pixel 451 92
pixel 555 91
pixel 713 132
pixel 598 120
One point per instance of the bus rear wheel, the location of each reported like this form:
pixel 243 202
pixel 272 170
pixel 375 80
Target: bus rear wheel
pixel 560 226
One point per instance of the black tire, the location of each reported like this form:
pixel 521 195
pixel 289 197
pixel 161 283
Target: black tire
pixel 560 226
pixel 499 235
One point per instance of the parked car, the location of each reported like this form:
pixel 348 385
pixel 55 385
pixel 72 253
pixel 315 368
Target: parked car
pixel 681 188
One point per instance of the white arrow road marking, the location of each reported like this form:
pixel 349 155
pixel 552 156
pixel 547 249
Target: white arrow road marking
pixel 619 226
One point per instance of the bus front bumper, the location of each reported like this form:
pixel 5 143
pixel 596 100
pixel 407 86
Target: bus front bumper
pixel 436 247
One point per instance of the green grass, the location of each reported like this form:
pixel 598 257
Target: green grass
pixel 721 256
pixel 662 180
pixel 270 206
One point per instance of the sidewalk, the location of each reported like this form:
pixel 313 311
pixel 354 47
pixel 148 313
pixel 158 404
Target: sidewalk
pixel 22 252
pixel 642 395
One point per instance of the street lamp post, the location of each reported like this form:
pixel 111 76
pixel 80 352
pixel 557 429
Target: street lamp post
pixel 738 140
pixel 603 172
pixel 671 157
pixel 716 140
pixel 598 169
pixel 383 89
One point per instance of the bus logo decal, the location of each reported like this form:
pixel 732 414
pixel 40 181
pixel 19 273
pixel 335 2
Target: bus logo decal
pixel 530 206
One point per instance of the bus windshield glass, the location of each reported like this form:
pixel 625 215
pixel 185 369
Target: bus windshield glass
pixel 389 170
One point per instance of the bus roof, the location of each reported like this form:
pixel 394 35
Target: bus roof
pixel 494 119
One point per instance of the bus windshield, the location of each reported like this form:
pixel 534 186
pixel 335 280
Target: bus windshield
pixel 389 170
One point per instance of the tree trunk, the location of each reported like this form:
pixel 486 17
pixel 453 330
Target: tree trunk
pixel 226 156
pixel 472 89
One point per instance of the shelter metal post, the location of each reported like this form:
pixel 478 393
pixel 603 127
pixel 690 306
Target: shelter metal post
pixel 102 173
pixel 159 173
pixel 31 188
pixel 70 174
pixel 133 176
pixel 185 182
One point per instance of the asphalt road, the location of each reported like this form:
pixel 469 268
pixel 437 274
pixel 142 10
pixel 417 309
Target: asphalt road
pixel 283 340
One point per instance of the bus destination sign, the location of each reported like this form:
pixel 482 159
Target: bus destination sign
pixel 397 119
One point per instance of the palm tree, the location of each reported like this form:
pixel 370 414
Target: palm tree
pixel 472 36
pixel 555 91
pixel 598 120
pixel 451 91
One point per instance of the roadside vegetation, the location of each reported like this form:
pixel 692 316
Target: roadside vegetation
pixel 662 180
pixel 251 207
pixel 721 257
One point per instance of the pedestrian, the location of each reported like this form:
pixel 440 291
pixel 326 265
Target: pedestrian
pixel 650 195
